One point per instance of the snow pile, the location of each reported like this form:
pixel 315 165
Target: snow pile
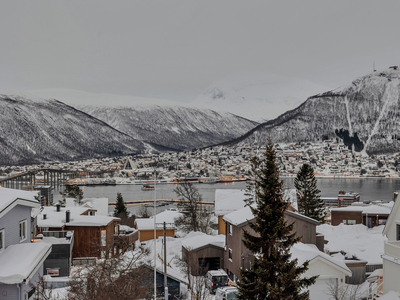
pixel 356 240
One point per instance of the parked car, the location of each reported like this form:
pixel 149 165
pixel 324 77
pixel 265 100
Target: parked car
pixel 226 293
pixel 216 279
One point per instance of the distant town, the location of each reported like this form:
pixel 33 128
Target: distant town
pixel 224 164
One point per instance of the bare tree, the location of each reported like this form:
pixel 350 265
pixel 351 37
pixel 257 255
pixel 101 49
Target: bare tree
pixel 114 278
pixel 195 217
pixel 343 291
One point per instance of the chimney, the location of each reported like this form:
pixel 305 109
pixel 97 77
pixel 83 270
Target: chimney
pixel 67 216
pixel 58 207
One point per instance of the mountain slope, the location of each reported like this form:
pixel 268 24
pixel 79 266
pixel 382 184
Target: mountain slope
pixel 364 114
pixel 257 96
pixel 35 131
pixel 174 127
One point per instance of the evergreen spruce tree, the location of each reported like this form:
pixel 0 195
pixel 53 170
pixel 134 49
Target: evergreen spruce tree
pixel 274 275
pixel 309 202
pixel 120 208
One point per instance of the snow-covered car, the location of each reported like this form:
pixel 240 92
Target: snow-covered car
pixel 226 293
pixel 216 279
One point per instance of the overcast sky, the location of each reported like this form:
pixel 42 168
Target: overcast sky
pixel 175 49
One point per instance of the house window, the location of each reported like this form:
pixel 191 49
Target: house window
pixel 53 272
pixel 103 238
pixel 398 232
pixel 230 254
pixel 382 221
pixel 351 222
pixel 22 231
pixel 2 242
pixel 92 213
pixel 344 221
pixel 230 229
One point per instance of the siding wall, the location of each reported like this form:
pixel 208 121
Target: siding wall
pixel 10 223
pixel 337 217
pixel 8 291
pixel 146 235
pixel 242 257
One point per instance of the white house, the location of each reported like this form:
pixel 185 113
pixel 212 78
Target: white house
pixel 330 271
pixel 21 262
pixel 391 258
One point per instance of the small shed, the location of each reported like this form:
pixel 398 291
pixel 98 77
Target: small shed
pixel 204 252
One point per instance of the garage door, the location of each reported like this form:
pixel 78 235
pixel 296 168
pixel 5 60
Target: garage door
pixel 320 290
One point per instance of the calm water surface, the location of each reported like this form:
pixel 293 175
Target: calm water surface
pixel 369 189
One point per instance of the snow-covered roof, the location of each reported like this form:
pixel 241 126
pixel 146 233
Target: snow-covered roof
pixel 245 214
pixel 228 200
pixel 309 252
pixel 239 216
pixel 11 197
pixel 201 240
pixel 375 209
pixel 358 240
pixel 392 217
pixel 57 219
pixel 167 216
pixel 99 204
pixel 20 262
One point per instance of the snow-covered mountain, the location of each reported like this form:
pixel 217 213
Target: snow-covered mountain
pixel 257 96
pixel 174 127
pixel 35 131
pixel 364 114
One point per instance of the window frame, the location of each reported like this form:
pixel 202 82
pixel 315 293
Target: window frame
pixel 25 227
pixel 3 239
pixel 230 229
pixel 397 232
pixel 230 254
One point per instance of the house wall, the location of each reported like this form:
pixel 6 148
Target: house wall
pixel 324 270
pixel 59 258
pixel 10 222
pixel 8 291
pixel 146 235
pixel 337 217
pixel 25 288
pixel 305 230
pixel 87 240
pixel 391 235
pixel 390 276
pixel 243 258
pixel 205 252
pixel 221 225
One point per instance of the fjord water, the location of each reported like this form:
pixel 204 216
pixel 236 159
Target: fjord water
pixel 369 189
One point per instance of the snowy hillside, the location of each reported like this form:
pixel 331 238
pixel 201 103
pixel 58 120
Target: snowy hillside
pixel 257 96
pixel 364 114
pixel 174 127
pixel 34 131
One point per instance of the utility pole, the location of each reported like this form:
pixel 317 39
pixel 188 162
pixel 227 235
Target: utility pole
pixel 165 263
pixel 155 234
